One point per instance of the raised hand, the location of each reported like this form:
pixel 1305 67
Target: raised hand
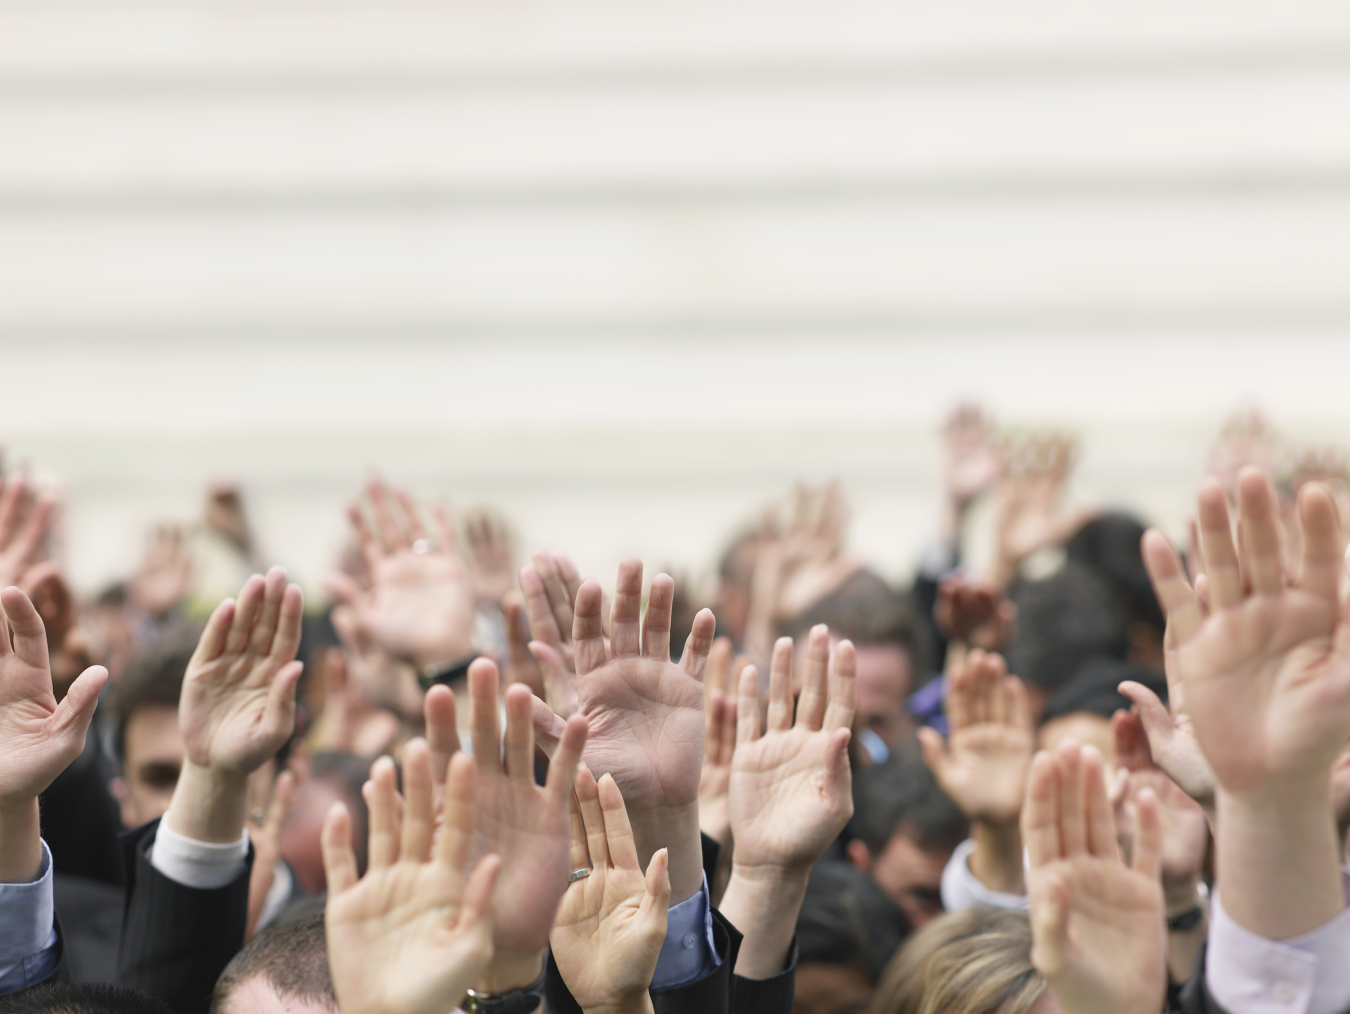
pixel 611 924
pixel 983 765
pixel 1031 512
pixel 161 581
pixel 38 737
pixel 522 822
pixel 1267 684
pixel 970 458
pixel 237 708
pixel 719 744
pixel 24 521
pixel 420 605
pixel 1097 924
pixel 645 713
pixel 1170 732
pixel 521 666
pixel 491 552
pixel 974 612
pixel 412 935
pixel 549 586
pixel 791 793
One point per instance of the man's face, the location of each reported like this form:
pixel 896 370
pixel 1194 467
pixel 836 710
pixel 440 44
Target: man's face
pixel 911 876
pixel 153 757
pixel 885 680
pixel 258 996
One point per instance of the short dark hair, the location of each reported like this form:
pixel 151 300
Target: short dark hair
pixel 867 610
pixel 1093 688
pixel 1109 546
pixel 903 791
pixel 1062 621
pixel 153 675
pixel 291 957
pixel 846 919
pixel 81 998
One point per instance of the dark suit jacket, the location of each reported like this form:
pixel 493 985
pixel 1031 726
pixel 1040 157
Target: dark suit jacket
pixel 722 992
pixel 177 940
pixel 90 913
pixel 80 821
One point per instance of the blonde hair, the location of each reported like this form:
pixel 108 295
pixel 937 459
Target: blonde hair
pixel 977 961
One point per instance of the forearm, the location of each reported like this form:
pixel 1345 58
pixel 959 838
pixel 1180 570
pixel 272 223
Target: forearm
pixel 209 805
pixel 676 829
pixel 1278 864
pixel 997 859
pixel 763 903
pixel 20 842
pixel 640 1004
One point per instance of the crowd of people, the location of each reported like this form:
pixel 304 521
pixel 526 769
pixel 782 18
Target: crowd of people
pixel 1105 775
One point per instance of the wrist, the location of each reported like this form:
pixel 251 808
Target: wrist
pixel 676 829
pixel 209 804
pixel 996 861
pixel 763 902
pixel 639 1003
pixel 510 970
pixel 20 841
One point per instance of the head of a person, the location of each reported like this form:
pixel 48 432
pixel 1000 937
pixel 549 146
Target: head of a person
pixel 283 970
pixel 891 645
pixel 906 829
pixel 1081 709
pixel 1109 546
pixel 81 998
pixel 976 961
pixel 1062 621
pixel 148 741
pixel 331 778
pixel 847 932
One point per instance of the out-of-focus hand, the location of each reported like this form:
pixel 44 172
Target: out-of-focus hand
pixel 24 521
pixel 1170 732
pixel 161 581
pixel 719 744
pixel 1097 925
pixel 491 552
pixel 420 605
pixel 38 737
pixel 1267 684
pixel 524 823
pixel 971 460
pixel 549 586
pixel 521 666
pixel 612 923
pixel 1031 512
pixel 984 762
pixel 382 679
pixel 1185 830
pixel 266 838
pixel 412 935
pixel 974 611
pixel 645 712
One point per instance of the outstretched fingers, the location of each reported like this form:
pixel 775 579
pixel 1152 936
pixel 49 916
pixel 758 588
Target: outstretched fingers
pixel 379 793
pixel 843 688
pixel 1216 544
pixel 29 635
pixel 696 649
pixel 438 714
pixel 747 707
pixel 815 679
pixel 458 812
pixel 563 763
pixel 656 621
pixel 1320 569
pixel 485 731
pixel 1101 826
pixel 625 616
pixel 588 635
pixel 1178 600
pixel 779 716
pixel 1040 815
pixel 339 861
pixel 593 817
pixel 519 734
pixel 619 839
pixel 245 613
pixel 419 820
pixel 1262 561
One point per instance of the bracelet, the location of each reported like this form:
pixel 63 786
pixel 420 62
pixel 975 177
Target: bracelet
pixel 1187 920
pixel 518 1001
pixel 448 675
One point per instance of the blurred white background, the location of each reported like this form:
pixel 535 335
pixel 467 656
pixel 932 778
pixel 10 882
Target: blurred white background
pixel 627 270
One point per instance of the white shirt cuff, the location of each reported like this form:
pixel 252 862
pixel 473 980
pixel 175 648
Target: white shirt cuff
pixel 961 889
pixel 1248 974
pixel 198 864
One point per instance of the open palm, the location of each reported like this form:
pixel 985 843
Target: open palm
pixel 40 737
pixel 412 934
pixel 1097 924
pixel 238 702
pixel 1267 672
pixel 791 788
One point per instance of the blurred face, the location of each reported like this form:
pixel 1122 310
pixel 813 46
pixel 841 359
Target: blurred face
pixel 257 996
pixel 300 845
pixel 1086 728
pixel 153 758
pixel 831 989
pixel 911 876
pixel 885 680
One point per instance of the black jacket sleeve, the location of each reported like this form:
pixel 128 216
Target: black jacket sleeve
pixel 176 940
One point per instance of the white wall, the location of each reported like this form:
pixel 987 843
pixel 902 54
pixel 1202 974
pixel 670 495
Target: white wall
pixel 629 269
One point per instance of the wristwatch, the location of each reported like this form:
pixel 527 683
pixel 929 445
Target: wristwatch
pixel 1185 920
pixel 429 677
pixel 519 1001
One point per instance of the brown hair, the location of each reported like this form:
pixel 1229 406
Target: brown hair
pixel 291 957
pixel 976 961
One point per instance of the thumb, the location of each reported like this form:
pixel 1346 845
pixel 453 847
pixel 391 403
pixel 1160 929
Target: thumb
pixel 548 727
pixel 836 758
pixel 76 710
pixel 934 749
pixel 656 899
pixel 1157 719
